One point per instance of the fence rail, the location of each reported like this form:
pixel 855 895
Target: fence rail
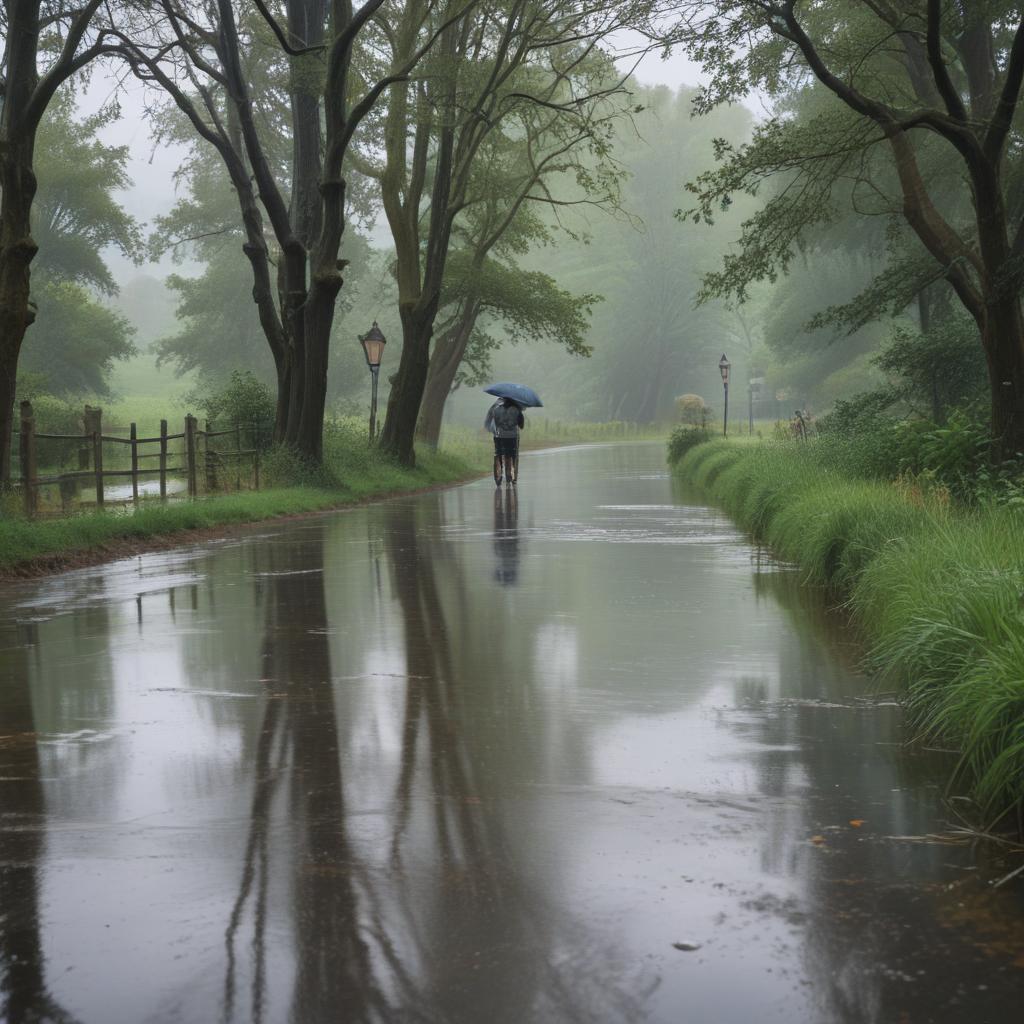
pixel 194 452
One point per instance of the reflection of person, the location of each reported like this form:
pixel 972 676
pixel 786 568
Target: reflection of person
pixel 506 537
pixel 504 420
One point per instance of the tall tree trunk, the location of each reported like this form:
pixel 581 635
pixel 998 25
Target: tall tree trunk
pixel 444 365
pixel 296 380
pixel 17 250
pixel 17 191
pixel 284 388
pixel 435 394
pixel 1002 326
pixel 1003 338
pixel 309 437
pixel 419 295
pixel 292 284
pixel 407 385
pixel 306 22
pixel 924 312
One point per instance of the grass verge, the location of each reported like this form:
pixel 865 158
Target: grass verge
pixel 352 472
pixel 937 589
pixel 358 473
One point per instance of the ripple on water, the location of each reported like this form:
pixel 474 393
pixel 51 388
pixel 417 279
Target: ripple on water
pixel 643 524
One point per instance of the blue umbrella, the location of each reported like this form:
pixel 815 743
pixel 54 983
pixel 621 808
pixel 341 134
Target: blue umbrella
pixel 519 393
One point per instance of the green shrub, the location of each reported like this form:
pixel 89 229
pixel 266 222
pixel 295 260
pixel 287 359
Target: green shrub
pixel 244 400
pixel 692 410
pixel 955 456
pixel 285 467
pixel 56 416
pixel 952 454
pixel 682 439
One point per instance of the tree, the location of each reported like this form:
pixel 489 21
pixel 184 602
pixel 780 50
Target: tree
pixel 217 325
pixel 218 328
pixel 816 353
pixel 75 339
pixel 207 68
pixel 517 68
pixel 32 73
pixel 651 341
pixel 488 294
pixel 906 75
pixel 934 369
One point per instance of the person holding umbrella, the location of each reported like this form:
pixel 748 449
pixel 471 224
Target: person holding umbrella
pixel 504 420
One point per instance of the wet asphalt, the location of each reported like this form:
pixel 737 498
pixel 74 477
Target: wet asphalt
pixel 573 753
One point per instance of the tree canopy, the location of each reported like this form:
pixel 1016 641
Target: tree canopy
pixel 925 103
pixel 76 337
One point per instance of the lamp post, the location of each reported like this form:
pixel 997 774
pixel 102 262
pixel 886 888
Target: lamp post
pixel 373 342
pixel 723 369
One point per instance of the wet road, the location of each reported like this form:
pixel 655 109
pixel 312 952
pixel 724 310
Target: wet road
pixel 467 758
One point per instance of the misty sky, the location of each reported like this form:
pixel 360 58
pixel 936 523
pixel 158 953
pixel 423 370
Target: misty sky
pixel 152 168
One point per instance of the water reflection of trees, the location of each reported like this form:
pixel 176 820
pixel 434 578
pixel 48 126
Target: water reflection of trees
pixel 24 995
pixel 423 915
pixel 297 761
pixel 478 901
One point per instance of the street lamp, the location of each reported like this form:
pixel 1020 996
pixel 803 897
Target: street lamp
pixel 723 369
pixel 373 342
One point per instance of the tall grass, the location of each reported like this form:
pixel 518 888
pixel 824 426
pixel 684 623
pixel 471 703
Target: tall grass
pixel 938 590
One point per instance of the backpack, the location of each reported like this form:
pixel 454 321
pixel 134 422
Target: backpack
pixel 506 418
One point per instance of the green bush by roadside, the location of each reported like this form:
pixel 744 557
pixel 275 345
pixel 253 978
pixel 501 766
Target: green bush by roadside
pixel 937 586
pixel 683 438
pixel 955 455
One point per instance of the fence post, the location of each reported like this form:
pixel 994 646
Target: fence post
pixel 85 452
pixel 94 427
pixel 256 457
pixel 163 460
pixel 190 453
pixel 133 436
pixel 27 446
pixel 210 470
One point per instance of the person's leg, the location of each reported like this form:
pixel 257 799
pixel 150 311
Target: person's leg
pixel 505 448
pixel 497 462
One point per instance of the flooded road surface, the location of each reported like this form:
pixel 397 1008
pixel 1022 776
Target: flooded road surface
pixel 577 756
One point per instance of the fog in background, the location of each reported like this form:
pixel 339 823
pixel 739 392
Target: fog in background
pixel 651 342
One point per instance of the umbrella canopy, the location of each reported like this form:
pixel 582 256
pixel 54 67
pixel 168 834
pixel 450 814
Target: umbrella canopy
pixel 519 393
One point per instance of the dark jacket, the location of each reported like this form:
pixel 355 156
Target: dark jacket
pixel 504 419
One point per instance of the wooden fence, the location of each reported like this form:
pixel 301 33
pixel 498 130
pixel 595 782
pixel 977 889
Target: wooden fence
pixel 193 453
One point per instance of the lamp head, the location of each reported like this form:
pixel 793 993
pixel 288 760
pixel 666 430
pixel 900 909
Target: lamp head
pixel 373 342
